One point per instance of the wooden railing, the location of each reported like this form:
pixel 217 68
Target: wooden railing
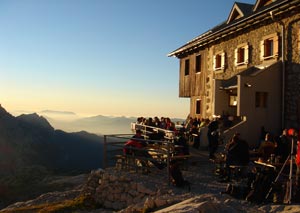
pixel 160 151
pixel 149 130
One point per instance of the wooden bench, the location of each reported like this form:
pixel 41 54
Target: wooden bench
pixel 180 157
pixel 132 162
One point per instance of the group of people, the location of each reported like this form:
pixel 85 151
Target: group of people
pixel 271 151
pixel 162 123
pixel 280 147
pixel 195 127
pixel 237 151
pixel 192 129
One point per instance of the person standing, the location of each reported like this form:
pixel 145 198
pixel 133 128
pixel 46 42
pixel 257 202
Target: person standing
pixel 213 138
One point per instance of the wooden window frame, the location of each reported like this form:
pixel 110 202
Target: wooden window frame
pixel 198 107
pixel 198 63
pixel 261 100
pixel 186 67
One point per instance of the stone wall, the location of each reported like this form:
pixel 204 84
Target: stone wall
pixel 126 191
pixel 292 81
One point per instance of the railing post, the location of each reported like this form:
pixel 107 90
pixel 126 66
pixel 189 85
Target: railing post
pixel 168 163
pixel 105 152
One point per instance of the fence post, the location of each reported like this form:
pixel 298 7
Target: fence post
pixel 168 163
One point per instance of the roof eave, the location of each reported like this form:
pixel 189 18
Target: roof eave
pixel 205 38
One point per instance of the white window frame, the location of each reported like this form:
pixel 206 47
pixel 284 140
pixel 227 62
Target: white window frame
pixel 219 65
pixel 245 48
pixel 264 48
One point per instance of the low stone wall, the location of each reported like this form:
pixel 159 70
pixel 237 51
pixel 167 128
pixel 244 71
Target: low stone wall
pixel 126 191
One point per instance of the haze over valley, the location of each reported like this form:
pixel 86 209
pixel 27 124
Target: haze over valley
pixel 99 124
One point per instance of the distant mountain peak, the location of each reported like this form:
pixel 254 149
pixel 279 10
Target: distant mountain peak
pixel 35 119
pixel 4 113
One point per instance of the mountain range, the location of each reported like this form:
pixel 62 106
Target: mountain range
pixel 36 147
pixel 100 124
pixel 60 145
pixel 29 139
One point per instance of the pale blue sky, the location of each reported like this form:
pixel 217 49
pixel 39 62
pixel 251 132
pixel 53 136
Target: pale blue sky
pixel 96 57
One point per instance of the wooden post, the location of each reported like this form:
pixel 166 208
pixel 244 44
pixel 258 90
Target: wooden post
pixel 168 163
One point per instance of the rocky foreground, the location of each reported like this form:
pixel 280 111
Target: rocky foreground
pixel 117 190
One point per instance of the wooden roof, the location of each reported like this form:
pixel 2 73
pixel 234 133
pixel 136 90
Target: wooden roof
pixel 241 15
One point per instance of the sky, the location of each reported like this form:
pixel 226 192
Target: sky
pixel 99 57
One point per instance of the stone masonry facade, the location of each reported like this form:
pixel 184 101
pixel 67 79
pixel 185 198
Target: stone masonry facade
pixel 252 35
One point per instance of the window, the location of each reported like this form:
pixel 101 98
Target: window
pixel 261 99
pixel 187 67
pixel 269 47
pixel 198 106
pixel 198 63
pixel 233 100
pixel 241 55
pixel 219 61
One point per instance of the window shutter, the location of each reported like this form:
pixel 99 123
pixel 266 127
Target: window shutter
pixel 214 62
pixel 262 50
pixel 276 45
pixel 236 57
pixel 223 60
pixel 246 54
pixel 299 39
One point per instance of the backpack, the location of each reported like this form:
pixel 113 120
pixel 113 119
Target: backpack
pixel 177 177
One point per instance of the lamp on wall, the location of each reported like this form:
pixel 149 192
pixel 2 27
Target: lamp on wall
pixel 247 85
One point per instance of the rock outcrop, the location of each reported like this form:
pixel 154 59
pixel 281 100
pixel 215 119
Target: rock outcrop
pixel 127 191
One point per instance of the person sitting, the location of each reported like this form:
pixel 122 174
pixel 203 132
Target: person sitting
pixel 136 146
pixel 266 148
pixel 237 155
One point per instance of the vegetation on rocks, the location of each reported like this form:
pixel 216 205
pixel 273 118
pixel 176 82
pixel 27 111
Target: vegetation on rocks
pixel 79 203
